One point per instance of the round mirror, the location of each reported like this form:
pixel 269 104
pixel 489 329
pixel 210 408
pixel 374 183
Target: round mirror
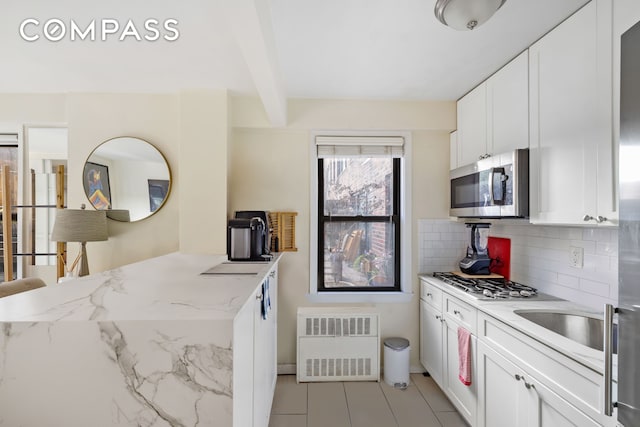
pixel 128 177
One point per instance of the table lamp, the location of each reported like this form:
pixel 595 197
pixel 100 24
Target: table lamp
pixel 80 225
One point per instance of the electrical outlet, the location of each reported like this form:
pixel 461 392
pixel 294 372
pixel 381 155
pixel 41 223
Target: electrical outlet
pixel 576 256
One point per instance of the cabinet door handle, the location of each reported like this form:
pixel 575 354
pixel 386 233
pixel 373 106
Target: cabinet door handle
pixel 518 377
pixel 456 312
pixel 600 219
pixel 272 274
pixel 587 217
pixel 529 386
pixel 429 294
pixel 259 296
pixel 438 317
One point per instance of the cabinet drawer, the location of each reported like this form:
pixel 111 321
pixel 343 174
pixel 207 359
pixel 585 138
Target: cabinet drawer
pixel 570 380
pixel 431 294
pixel 461 313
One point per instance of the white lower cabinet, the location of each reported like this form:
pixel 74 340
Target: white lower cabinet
pixel 431 327
pixel 440 316
pixel 559 391
pixel 547 409
pixel 502 393
pixel 458 314
pixel 516 381
pixel 463 397
pixel 265 363
pixel 255 359
pixel 512 397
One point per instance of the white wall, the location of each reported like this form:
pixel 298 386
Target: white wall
pixel 539 257
pixel 269 170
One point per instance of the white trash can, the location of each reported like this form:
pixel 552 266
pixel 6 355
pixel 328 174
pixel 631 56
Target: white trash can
pixel 396 362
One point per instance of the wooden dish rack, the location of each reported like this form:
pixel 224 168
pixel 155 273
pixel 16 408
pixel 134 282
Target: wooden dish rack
pixel 284 231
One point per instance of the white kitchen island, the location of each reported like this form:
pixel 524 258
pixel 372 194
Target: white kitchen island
pixel 155 343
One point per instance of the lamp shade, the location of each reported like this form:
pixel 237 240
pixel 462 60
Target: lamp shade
pixel 466 14
pixel 79 225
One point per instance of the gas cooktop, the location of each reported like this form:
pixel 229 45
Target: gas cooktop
pixel 488 288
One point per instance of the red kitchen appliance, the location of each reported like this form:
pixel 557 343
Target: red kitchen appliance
pixel 499 249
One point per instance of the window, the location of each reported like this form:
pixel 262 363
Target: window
pixel 359 214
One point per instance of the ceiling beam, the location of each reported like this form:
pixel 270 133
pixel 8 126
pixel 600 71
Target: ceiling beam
pixel 250 22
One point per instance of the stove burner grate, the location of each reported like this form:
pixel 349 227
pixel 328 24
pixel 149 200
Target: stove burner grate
pixel 491 288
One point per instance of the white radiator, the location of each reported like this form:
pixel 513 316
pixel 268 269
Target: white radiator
pixel 338 344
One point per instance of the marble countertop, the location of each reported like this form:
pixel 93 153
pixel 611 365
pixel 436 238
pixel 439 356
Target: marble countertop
pixel 505 311
pixel 162 288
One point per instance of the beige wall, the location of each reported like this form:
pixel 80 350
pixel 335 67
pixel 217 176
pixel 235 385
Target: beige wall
pixel 269 169
pixel 94 118
pixel 17 110
pixel 203 173
pixel 190 129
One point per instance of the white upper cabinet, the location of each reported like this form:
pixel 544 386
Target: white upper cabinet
pixel 453 150
pixel 494 117
pixel 508 107
pixel 472 125
pixel 571 136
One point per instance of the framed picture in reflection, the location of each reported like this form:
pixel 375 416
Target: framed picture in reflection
pixel 96 185
pixel 158 189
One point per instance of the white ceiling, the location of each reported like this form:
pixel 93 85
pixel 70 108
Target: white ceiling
pixel 371 49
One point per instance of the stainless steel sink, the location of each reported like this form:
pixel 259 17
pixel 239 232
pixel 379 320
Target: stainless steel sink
pixel 586 329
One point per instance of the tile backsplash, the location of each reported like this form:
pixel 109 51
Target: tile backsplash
pixel 539 256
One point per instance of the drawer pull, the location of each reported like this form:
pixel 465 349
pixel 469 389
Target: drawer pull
pixel 429 294
pixel 438 317
pixel 529 386
pixel 456 312
pixel 518 377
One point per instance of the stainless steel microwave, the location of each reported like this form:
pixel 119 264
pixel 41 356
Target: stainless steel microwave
pixel 494 187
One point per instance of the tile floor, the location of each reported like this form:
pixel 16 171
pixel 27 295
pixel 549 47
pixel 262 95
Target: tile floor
pixel 361 404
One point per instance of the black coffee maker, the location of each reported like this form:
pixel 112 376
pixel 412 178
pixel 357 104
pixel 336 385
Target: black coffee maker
pixel 477 260
pixel 248 236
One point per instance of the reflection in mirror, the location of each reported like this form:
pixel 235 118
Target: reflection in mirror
pixel 127 176
pixel 47 149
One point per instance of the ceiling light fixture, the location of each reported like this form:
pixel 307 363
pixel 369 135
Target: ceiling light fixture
pixel 466 14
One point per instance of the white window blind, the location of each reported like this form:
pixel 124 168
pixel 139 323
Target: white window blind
pixel 7 138
pixel 350 146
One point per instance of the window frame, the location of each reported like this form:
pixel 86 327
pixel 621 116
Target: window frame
pixel 394 218
pixel 369 294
